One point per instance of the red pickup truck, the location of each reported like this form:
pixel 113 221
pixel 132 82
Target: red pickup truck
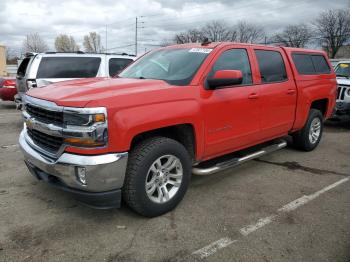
pixel 177 110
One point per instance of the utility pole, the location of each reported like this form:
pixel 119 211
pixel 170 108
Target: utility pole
pixel 106 39
pixel 136 32
pixel 136 37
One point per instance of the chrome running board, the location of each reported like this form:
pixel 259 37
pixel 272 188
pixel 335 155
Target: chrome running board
pixel 238 160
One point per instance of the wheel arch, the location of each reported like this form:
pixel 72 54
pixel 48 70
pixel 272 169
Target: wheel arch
pixel 182 133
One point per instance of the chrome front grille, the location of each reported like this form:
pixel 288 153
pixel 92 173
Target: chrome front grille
pixel 341 92
pixel 47 142
pixel 45 115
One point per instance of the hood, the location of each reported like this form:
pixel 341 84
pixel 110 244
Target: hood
pixel 343 81
pixel 79 93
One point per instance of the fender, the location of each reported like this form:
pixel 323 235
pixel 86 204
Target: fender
pixel 130 122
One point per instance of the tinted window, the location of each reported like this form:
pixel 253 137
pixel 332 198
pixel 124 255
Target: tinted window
pixel 234 59
pixel 68 67
pixel 272 68
pixel 117 64
pixel 320 64
pixel 308 64
pixel 304 64
pixel 23 67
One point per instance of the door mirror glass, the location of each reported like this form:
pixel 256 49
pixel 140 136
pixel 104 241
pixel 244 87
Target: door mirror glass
pixel 225 78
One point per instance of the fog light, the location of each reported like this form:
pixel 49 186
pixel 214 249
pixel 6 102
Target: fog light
pixel 81 174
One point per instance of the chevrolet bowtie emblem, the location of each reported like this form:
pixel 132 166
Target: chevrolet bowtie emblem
pixel 30 124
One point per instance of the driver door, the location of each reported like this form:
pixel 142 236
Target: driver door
pixel 231 113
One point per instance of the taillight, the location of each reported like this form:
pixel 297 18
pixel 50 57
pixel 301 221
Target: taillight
pixel 9 83
pixel 31 84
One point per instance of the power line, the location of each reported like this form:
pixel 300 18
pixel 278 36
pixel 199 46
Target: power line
pixel 122 46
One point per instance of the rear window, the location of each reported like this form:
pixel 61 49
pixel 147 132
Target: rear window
pixel 271 65
pixel 321 65
pixel 308 64
pixel 68 67
pixel 117 64
pixel 21 71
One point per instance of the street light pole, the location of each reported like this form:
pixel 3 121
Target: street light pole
pixel 106 39
pixel 136 26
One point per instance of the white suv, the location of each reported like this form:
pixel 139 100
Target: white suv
pixel 38 70
pixel 343 97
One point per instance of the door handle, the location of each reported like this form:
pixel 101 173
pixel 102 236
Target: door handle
pixel 253 96
pixel 290 91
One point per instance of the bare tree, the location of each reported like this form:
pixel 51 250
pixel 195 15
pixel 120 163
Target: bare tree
pixel 249 33
pixel 12 55
pixel 34 43
pixel 92 43
pixel 65 43
pixel 293 36
pixel 190 36
pixel 333 27
pixel 218 31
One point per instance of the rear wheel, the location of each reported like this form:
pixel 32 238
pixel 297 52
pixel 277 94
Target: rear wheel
pixel 309 137
pixel 157 176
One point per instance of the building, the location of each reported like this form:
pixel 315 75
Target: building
pixel 11 70
pixel 343 52
pixel 3 71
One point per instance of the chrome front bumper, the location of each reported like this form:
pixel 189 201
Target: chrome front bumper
pixel 103 172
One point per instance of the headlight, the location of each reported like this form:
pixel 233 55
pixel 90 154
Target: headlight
pixel 86 127
pixel 73 119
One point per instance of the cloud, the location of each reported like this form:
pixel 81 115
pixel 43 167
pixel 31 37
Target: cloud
pixel 161 18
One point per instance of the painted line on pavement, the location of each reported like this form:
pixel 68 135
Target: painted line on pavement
pixel 215 246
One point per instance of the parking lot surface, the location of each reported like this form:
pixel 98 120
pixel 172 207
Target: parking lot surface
pixel 286 206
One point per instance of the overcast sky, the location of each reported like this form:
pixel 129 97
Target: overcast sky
pixel 161 19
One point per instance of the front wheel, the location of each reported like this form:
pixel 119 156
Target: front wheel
pixel 309 137
pixel 157 177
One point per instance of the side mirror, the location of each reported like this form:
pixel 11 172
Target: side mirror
pixel 223 78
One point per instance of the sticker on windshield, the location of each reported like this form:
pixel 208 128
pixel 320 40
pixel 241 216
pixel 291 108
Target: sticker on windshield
pixel 200 50
pixel 344 65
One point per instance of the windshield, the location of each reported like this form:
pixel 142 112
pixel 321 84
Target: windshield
pixel 343 69
pixel 175 66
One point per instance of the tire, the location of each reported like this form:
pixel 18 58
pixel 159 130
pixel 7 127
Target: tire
pixel 148 161
pixel 303 139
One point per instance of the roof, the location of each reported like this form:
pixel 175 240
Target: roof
pixel 73 54
pixel 303 50
pixel 216 44
pixel 213 45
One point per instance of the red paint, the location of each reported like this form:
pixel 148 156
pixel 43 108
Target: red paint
pixel 224 120
pixel 228 74
pixel 8 89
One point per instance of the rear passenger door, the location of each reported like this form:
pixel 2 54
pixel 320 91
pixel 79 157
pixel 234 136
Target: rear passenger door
pixel 278 93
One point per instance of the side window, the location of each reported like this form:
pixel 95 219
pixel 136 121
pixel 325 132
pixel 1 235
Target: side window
pixel 68 67
pixel 234 59
pixel 308 64
pixel 271 65
pixel 304 64
pixel 321 65
pixel 118 64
